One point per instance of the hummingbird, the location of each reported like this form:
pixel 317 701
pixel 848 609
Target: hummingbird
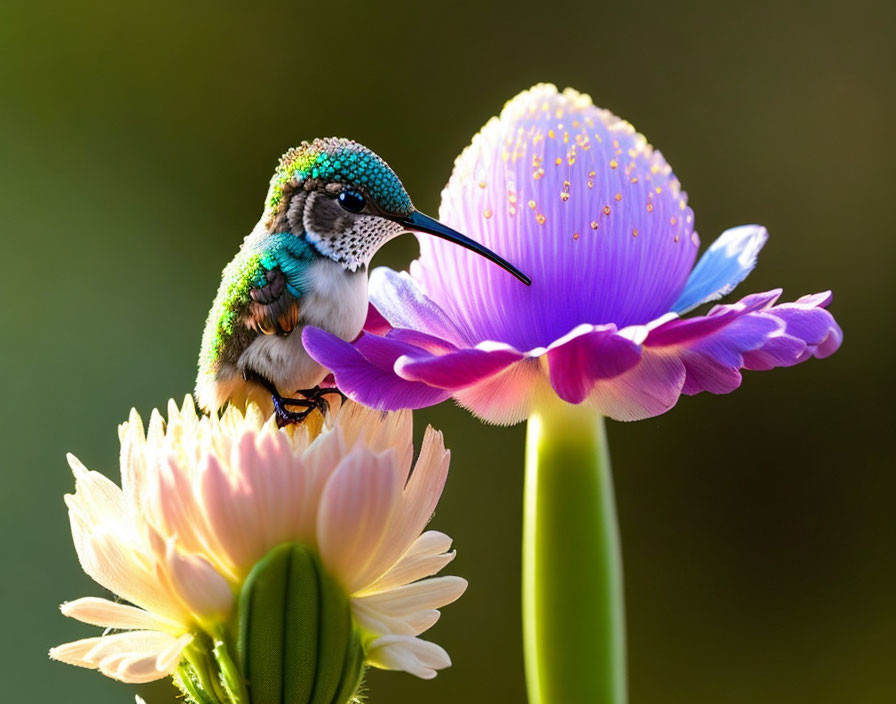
pixel 331 205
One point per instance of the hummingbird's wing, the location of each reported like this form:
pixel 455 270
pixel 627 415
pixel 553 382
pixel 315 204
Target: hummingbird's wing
pixel 260 294
pixel 273 307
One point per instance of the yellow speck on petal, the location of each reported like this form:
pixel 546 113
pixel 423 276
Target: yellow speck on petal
pixel 592 174
pixel 618 197
pixel 531 204
pixel 558 161
pixel 659 190
pixel 482 184
pixel 634 233
pixel 594 225
pixel 681 204
pixel 539 172
pixel 606 210
pixel 551 134
pixel 634 179
pixel 677 238
pixel 487 213
pixel 613 163
pixel 673 220
pixel 590 183
pixel 571 160
pixel 564 196
pixel 540 218
pixel 575 235
pixel 650 207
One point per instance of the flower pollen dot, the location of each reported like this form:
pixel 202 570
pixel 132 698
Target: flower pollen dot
pixel 487 213
pixel 613 163
pixel 606 210
pixel 540 218
pixel 532 205
pixel 650 207
pixel 594 225
pixel 618 197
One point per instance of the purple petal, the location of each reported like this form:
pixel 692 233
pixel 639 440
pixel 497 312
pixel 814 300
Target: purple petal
pixel 647 390
pixel 508 397
pixel 458 369
pixel 807 319
pixel 374 384
pixel 509 192
pixel 722 267
pixel 586 355
pixel 375 323
pixel 400 301
pixel 713 364
pixel 749 334
pixel 679 331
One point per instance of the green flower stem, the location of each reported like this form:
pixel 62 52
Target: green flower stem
pixel 231 678
pixel 573 610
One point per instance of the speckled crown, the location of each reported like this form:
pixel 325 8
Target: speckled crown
pixel 337 160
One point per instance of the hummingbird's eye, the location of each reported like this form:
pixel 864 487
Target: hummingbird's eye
pixel 352 201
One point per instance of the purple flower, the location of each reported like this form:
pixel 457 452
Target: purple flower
pixel 581 202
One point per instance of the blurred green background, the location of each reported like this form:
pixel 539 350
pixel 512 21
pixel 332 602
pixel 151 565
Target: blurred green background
pixel 758 528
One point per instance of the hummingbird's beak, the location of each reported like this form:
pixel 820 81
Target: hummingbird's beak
pixel 418 222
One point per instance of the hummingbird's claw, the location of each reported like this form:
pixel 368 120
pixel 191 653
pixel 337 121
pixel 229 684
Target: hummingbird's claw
pixel 313 399
pixel 286 417
pixel 318 392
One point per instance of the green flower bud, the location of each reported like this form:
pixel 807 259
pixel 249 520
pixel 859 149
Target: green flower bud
pixel 293 639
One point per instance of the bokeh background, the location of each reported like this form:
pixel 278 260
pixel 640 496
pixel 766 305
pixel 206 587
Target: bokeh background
pixel 758 528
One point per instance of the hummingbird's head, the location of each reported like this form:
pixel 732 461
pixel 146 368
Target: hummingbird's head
pixel 348 203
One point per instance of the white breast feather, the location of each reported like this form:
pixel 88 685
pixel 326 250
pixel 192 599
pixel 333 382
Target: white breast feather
pixel 336 301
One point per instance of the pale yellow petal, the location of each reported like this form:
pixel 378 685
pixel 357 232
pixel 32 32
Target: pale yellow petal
pixel 132 657
pixel 111 614
pixel 204 592
pixel 418 501
pixel 429 554
pixel 423 595
pixel 355 507
pixel 418 657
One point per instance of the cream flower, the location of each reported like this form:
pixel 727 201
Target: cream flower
pixel 202 501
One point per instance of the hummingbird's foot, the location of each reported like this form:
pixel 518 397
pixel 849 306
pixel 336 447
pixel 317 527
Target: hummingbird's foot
pixel 285 416
pixel 318 392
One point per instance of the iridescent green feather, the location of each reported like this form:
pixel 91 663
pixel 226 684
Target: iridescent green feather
pixel 226 334
pixel 342 161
